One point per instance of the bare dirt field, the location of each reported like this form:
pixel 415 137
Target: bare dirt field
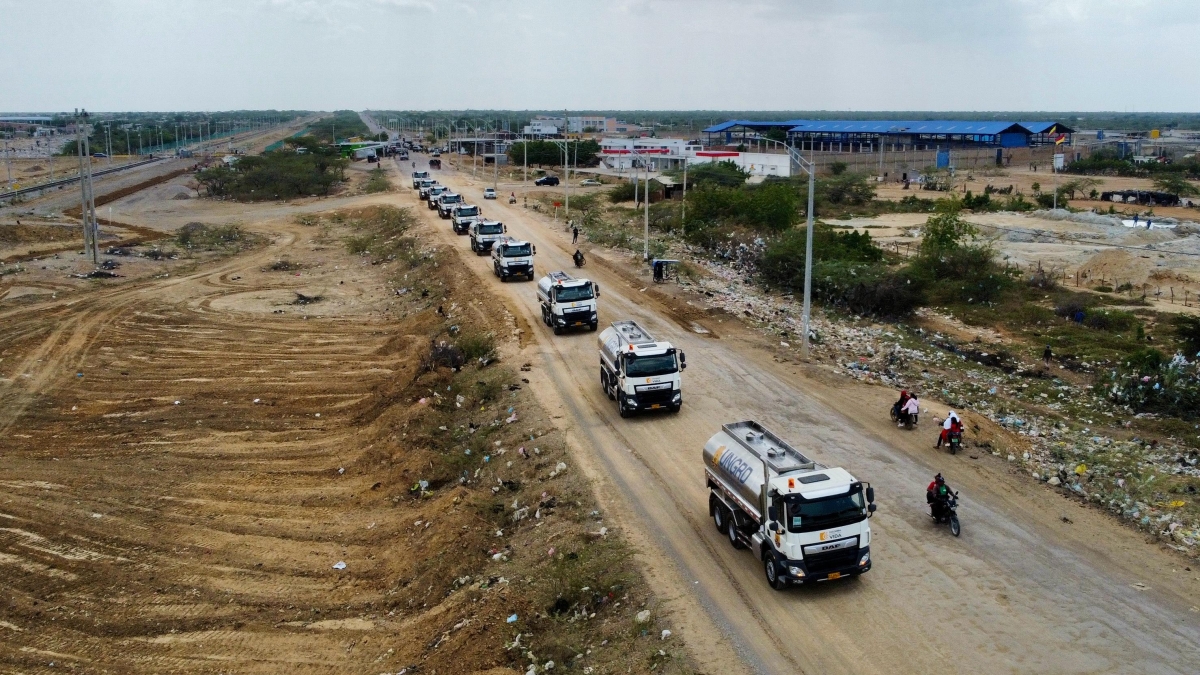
pixel 243 462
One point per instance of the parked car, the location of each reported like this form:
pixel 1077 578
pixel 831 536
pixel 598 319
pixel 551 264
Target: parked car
pixel 590 182
pixel 546 180
pixel 436 153
pixel 489 193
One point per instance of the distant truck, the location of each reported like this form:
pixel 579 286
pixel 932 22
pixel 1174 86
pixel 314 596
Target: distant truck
pixel 447 202
pixel 464 215
pixel 485 233
pixel 807 522
pixel 512 258
pixel 639 372
pixel 423 186
pixel 568 302
pixel 435 192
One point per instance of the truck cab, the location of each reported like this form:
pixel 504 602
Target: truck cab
pixel 423 187
pixel 512 258
pixel 446 203
pixel 639 372
pixel 567 302
pixel 418 176
pixel 485 233
pixel 435 191
pixel 464 215
pixel 806 522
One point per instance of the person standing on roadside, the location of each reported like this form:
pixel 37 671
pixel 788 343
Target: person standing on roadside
pixel 574 233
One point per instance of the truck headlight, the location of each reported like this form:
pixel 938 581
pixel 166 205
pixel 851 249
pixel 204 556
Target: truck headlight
pixel 678 396
pixel 796 572
pixel 631 402
pixel 866 558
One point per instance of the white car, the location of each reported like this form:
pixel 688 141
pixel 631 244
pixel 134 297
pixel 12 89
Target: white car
pixel 590 182
pixel 489 193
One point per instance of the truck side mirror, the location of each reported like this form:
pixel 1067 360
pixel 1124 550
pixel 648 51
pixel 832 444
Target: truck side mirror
pixel 596 287
pixel 870 494
pixel 871 507
pixel 682 361
pixel 504 228
pixel 773 526
pixel 533 248
pixel 772 514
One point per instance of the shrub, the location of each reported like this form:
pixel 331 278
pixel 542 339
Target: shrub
pixel 770 206
pixel 1187 329
pixel 1111 320
pixel 477 346
pixel 622 192
pixel 1147 381
pixel 203 237
pixel 378 181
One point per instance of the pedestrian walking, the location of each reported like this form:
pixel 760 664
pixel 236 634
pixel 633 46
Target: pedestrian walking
pixel 574 233
pixel 1047 355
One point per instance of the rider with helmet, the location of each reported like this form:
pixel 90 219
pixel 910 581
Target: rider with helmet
pixel 937 494
pixel 578 258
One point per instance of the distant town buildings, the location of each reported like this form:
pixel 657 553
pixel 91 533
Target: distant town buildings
pixel 544 125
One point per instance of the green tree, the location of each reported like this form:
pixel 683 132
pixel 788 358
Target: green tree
pixel 1176 184
pixel 946 231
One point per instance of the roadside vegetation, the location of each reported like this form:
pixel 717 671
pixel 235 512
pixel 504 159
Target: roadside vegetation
pixel 282 174
pixel 547 153
pixel 377 181
pixel 1106 162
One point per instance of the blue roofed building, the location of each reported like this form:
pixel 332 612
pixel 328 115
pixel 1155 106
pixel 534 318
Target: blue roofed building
pixel 871 135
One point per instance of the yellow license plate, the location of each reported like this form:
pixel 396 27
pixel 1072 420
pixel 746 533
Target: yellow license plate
pixel 577 323
pixel 835 575
pixel 655 406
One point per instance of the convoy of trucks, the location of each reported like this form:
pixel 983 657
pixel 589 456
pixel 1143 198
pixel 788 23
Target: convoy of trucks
pixel 639 372
pixel 567 302
pixel 805 521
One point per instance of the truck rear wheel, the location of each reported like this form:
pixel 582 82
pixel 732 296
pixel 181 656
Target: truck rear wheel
pixel 718 514
pixel 731 530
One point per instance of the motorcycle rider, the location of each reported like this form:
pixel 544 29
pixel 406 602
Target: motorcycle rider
pixel 578 258
pixel 936 495
pixel 952 423
pixel 908 411
pixel 898 405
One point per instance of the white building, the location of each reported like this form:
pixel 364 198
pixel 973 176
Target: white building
pixel 659 154
pixel 542 128
pixel 757 163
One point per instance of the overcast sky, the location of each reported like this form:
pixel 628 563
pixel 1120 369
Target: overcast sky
pixel 109 55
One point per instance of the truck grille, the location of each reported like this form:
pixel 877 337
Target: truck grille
pixel 831 561
pixel 646 398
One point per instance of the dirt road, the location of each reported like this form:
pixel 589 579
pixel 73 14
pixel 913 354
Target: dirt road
pixel 1022 591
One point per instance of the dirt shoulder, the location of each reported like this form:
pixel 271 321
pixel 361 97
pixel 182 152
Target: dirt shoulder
pixel 262 464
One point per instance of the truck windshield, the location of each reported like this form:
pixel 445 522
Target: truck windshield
pixel 516 250
pixel 468 211
pixel 649 366
pixel 818 514
pixel 573 293
pixel 491 228
pixel 451 199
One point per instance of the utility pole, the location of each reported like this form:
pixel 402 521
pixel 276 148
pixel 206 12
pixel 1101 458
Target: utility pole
pixel 683 204
pixel 108 141
pixel 87 211
pixel 8 163
pixel 496 159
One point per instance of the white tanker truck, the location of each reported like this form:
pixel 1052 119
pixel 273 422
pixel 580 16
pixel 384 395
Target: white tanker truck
pixel 806 521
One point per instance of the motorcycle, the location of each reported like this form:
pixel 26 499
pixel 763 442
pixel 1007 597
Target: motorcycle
pixel 948 513
pixel 512 199
pixel 955 441
pixel 897 416
pixel 579 261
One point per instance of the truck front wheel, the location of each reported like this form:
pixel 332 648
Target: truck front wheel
pixel 621 407
pixel 772 570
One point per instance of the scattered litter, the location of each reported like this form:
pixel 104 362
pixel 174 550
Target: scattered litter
pixel 339 565
pixel 1140 586
pixel 642 616
pixel 512 619
pixel 666 634
pixel 341 470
